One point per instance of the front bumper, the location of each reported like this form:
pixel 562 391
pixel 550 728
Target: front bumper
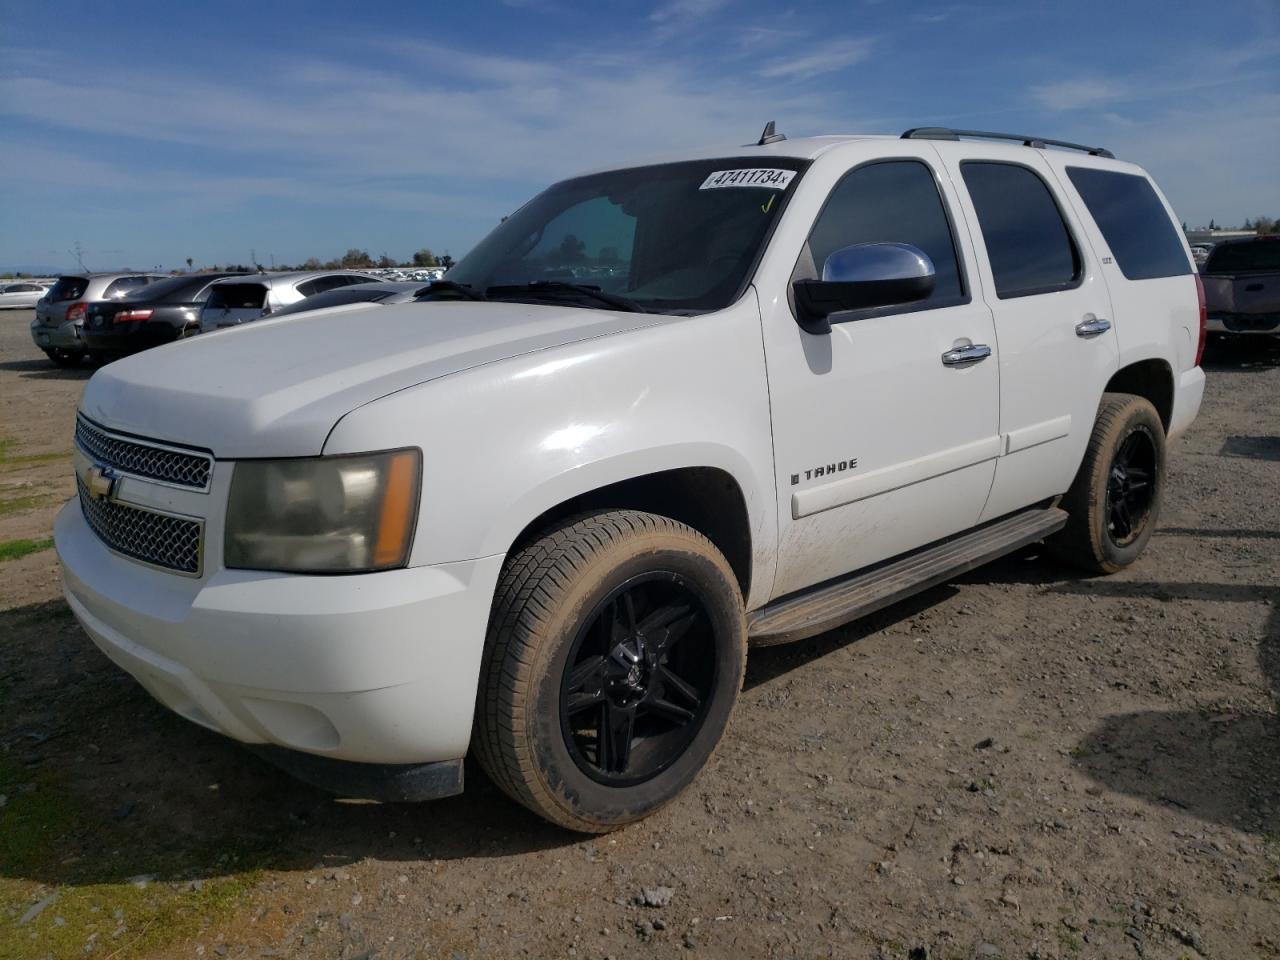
pixel 375 668
pixel 66 335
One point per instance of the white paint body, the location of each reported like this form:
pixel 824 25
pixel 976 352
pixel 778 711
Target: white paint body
pixel 518 407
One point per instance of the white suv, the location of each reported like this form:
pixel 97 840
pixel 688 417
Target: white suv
pixel 661 413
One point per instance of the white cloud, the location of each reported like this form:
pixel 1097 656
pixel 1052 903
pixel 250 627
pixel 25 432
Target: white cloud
pixel 674 10
pixel 830 57
pixel 1075 94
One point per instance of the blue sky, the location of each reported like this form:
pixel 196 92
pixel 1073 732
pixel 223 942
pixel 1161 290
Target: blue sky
pixel 153 132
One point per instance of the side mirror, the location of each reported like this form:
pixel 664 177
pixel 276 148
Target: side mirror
pixel 861 277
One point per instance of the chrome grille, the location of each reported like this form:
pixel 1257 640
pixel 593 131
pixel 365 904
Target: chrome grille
pixel 155 538
pixel 144 459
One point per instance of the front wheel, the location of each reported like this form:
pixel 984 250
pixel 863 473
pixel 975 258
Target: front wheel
pixel 1116 496
pixel 615 654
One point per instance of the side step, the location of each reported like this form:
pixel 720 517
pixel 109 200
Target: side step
pixel 826 607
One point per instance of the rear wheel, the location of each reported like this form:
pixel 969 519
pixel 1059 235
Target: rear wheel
pixel 1116 496
pixel 65 358
pixel 615 654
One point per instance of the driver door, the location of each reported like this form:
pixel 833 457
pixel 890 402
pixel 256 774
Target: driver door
pixel 880 445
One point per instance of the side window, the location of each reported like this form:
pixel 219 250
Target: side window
pixel 1133 221
pixel 310 288
pixel 1030 248
pixel 118 288
pixel 889 201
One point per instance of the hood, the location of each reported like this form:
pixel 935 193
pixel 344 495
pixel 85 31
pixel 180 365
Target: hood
pixel 276 387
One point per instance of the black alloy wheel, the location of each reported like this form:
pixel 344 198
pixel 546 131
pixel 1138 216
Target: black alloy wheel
pixel 638 680
pixel 1131 486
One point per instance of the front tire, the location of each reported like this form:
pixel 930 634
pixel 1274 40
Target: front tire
pixel 615 653
pixel 1115 499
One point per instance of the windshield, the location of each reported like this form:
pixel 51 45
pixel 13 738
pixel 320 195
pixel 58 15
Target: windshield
pixel 678 237
pixel 1253 256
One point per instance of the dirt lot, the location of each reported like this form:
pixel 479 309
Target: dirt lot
pixel 1023 763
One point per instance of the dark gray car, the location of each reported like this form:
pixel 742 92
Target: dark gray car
pixel 57 327
pixel 359 295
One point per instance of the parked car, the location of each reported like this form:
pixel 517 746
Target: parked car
pixel 22 294
pixel 160 312
pixel 1200 252
pixel 238 300
pixel 825 374
pixel 1242 286
pixel 58 325
pixel 354 297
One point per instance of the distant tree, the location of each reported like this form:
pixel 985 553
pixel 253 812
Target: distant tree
pixel 312 264
pixel 333 265
pixel 1247 225
pixel 1212 225
pixel 1266 224
pixel 384 261
pixel 356 258
pixel 572 250
pixel 190 262
pixel 425 258
pixel 446 261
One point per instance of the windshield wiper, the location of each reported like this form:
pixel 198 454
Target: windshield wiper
pixel 463 290
pixel 556 288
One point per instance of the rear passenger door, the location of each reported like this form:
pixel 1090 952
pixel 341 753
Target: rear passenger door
pixel 1057 347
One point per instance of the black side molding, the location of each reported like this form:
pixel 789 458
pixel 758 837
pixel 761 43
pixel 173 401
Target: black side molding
pixel 390 783
pixel 946 133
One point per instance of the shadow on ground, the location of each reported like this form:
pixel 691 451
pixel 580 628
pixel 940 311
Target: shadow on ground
pixel 1240 354
pixel 43 369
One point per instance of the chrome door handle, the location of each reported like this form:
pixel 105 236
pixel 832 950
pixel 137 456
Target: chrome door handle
pixel 1092 328
pixel 962 356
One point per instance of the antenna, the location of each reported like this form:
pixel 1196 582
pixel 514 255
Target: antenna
pixel 769 135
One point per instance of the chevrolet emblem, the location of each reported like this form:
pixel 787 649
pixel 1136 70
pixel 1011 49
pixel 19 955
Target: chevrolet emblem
pixel 100 482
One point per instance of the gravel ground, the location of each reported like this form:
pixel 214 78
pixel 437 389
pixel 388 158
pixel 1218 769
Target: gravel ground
pixel 1022 763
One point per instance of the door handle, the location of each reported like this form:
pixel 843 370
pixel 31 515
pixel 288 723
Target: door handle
pixel 1092 328
pixel 963 356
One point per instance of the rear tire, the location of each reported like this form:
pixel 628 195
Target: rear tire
pixel 65 358
pixel 615 653
pixel 1115 499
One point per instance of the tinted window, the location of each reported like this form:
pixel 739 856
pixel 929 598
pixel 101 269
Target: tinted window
pixel 1027 241
pixel 895 201
pixel 334 298
pixel 118 288
pixel 68 288
pixel 679 237
pixel 1254 256
pixel 1133 221
pixel 236 296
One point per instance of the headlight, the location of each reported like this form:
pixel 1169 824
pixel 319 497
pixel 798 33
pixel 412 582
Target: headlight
pixel 344 514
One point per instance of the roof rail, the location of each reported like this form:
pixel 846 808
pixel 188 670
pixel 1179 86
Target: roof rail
pixel 946 133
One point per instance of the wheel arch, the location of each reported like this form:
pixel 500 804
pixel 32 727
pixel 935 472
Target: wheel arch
pixel 708 499
pixel 1151 379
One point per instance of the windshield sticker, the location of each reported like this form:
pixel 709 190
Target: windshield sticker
pixel 754 177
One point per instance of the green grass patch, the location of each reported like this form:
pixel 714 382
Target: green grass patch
pixel 8 456
pixel 114 893
pixel 23 504
pixel 13 549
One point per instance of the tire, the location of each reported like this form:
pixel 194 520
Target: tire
pixel 1115 500
pixel 562 663
pixel 65 358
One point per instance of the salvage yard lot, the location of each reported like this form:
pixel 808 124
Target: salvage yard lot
pixel 1022 763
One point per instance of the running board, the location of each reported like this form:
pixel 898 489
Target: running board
pixel 826 607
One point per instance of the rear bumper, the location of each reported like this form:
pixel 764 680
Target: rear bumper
pixel 130 338
pixel 1246 323
pixel 378 668
pixel 66 336
pixel 1186 401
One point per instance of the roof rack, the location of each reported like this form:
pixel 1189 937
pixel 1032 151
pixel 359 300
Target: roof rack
pixel 946 133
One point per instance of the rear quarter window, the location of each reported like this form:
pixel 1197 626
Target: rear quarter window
pixel 118 288
pixel 68 288
pixel 1133 221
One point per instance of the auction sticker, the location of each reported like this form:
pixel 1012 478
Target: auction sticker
pixel 749 177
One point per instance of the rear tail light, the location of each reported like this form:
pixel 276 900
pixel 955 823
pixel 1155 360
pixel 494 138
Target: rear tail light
pixel 128 316
pixel 75 312
pixel 1204 319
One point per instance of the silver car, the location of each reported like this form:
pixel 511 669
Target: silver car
pixel 21 294
pixel 238 300
pixel 356 296
pixel 58 325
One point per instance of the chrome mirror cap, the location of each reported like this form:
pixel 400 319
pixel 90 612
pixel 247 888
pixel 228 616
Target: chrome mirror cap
pixel 877 261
